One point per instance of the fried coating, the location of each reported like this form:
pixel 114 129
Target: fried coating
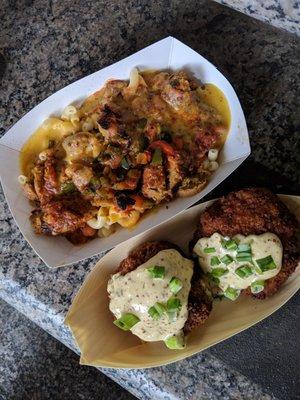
pixel 254 211
pixel 199 303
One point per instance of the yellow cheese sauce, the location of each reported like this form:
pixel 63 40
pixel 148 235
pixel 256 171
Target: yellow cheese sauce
pixel 262 246
pixel 214 97
pixel 137 291
pixel 52 129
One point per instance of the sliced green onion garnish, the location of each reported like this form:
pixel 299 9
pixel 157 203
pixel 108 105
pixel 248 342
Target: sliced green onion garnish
pixel 157 310
pixel 213 278
pixel 227 259
pixel 244 271
pixel 218 272
pixel 229 244
pixel 231 293
pixel 175 342
pixel 209 250
pixel 157 271
pixel 244 248
pixel 172 315
pixel 257 270
pixel 127 321
pixel 257 286
pixel 175 285
pixel 265 264
pixel 223 243
pixel 214 261
pixel 157 157
pixel 124 163
pixel 174 304
pixel 244 257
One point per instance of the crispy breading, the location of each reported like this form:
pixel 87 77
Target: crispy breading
pixel 63 216
pixel 200 302
pixel 254 211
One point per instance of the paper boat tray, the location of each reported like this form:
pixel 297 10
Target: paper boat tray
pixel 167 53
pixel 103 344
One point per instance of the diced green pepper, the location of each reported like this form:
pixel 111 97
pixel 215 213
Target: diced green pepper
pixel 157 157
pixel 67 187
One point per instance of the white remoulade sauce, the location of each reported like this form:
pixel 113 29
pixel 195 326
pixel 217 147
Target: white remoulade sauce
pixel 137 291
pixel 211 251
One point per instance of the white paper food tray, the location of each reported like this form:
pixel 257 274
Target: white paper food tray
pixel 167 53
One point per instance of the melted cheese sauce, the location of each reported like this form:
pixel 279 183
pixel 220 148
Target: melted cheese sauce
pixel 137 291
pixel 261 246
pixel 214 97
pixel 52 129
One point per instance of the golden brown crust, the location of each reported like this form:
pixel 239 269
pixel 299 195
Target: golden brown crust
pixel 199 305
pixel 254 211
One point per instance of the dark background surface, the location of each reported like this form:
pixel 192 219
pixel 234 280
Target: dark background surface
pixel 48 44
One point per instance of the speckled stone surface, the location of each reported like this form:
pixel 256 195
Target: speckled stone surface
pixel 284 14
pixel 35 366
pixel 48 44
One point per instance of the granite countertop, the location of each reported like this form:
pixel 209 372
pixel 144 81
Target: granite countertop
pixel 284 14
pixel 48 44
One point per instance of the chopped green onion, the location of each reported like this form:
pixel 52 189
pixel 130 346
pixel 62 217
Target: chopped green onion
pixel 214 261
pixel 257 270
pixel 124 163
pixel 175 285
pixel 218 272
pixel 157 271
pixel 231 293
pixel 243 254
pixel 265 264
pixel 67 187
pixel 257 286
pixel 223 243
pixel 172 315
pixel 173 304
pixel 209 250
pixel 157 157
pixel 213 278
pixel 244 271
pixel 227 259
pixel 157 310
pixel 229 244
pixel 244 257
pixel 153 313
pixel 175 342
pixel 127 321
pixel 244 248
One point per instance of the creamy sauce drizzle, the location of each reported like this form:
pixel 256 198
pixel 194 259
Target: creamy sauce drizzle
pixel 137 291
pixel 261 246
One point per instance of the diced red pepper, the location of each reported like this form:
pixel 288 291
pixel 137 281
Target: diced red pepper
pixel 165 147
